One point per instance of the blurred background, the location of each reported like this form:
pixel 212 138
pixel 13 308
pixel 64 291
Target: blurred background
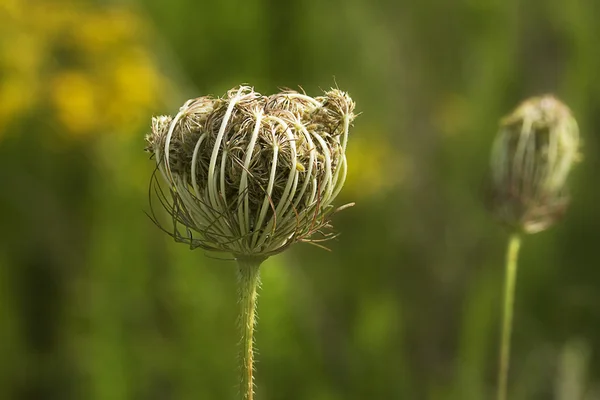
pixel 97 303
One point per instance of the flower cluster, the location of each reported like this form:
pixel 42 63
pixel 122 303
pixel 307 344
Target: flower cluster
pixel 532 155
pixel 250 174
pixel 88 65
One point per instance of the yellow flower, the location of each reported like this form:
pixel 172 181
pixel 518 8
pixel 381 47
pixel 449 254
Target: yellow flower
pixel 376 166
pixel 90 66
pixel 73 96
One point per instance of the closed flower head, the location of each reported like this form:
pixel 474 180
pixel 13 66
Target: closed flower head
pixel 250 174
pixel 534 150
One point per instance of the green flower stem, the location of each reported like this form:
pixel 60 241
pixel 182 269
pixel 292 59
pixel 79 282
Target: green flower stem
pixel 248 282
pixel 507 313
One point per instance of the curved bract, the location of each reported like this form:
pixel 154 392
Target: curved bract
pixel 532 156
pixel 251 174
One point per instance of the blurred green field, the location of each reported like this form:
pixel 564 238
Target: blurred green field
pixel 97 303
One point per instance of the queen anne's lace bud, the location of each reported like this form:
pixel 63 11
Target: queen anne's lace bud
pixel 252 174
pixel 532 155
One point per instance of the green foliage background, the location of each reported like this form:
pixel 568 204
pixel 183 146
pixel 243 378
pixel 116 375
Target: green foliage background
pixel 96 303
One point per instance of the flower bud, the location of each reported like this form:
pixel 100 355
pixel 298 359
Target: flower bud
pixel 250 174
pixel 533 152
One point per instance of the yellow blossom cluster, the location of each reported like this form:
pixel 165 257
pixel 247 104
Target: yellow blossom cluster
pixel 90 68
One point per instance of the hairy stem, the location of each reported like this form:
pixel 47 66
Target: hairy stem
pixel 248 282
pixel 512 254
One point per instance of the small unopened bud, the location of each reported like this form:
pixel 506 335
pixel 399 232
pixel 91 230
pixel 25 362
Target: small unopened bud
pixel 533 152
pixel 250 174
